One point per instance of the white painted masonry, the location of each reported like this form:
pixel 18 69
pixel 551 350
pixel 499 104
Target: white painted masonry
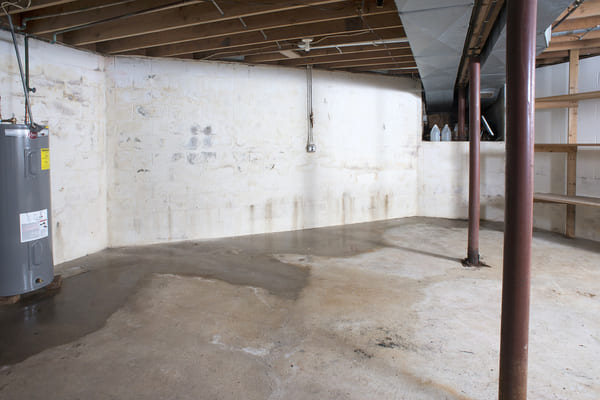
pixel 70 99
pixel 212 149
pixel 154 150
pixel 444 180
pixel 444 166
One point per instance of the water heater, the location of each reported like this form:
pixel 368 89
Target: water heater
pixel 25 214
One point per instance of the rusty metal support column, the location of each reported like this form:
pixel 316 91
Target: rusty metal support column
pixel 474 133
pixel 518 214
pixel 461 114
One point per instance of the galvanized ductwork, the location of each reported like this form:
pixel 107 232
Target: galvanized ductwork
pixel 493 70
pixel 436 31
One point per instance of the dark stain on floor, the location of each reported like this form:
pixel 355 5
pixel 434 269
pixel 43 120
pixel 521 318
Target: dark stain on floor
pixel 86 300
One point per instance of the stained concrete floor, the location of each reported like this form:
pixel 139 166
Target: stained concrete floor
pixel 371 311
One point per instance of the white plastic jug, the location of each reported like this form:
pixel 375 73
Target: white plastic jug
pixel 446 134
pixel 435 134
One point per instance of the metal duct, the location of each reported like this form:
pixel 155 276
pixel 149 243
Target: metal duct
pixel 493 70
pixel 436 31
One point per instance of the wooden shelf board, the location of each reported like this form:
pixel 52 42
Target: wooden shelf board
pixel 562 199
pixel 562 147
pixel 565 100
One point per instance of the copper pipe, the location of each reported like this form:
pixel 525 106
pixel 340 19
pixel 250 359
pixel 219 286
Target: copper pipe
pixel 461 114
pixel 474 133
pixel 518 214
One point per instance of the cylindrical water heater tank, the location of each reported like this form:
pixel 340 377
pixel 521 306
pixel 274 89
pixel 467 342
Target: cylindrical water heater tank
pixel 25 221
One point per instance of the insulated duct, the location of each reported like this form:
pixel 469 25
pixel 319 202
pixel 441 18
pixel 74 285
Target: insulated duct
pixel 436 31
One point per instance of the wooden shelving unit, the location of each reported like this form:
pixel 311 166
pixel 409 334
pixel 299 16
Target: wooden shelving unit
pixel 570 101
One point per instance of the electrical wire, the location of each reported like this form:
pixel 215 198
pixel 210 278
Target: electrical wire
pixel 33 126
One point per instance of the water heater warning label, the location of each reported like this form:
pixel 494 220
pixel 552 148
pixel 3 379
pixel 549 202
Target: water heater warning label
pixel 45 159
pixel 34 225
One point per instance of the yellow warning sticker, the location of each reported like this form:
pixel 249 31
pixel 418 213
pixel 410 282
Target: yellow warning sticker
pixel 45 159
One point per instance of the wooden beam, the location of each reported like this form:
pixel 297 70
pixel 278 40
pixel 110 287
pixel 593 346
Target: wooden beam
pixel 384 61
pixel 572 139
pixel 575 37
pixel 571 24
pixel 578 44
pixel 182 17
pixel 37 4
pixel 249 24
pixel 555 148
pixel 586 9
pixel 74 19
pixel 562 199
pixel 338 27
pixel 387 67
pixel 274 48
pixel 555 104
pixel 573 96
pixel 484 17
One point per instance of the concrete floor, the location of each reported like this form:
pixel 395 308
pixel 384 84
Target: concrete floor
pixel 371 311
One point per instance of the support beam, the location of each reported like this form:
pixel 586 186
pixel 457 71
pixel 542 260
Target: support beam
pixel 518 214
pixel 571 139
pixel 462 135
pixel 474 137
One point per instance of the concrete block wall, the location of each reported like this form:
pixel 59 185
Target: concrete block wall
pixel 150 150
pixel 444 180
pixel 147 151
pixel 70 99
pixel 212 149
pixel 444 166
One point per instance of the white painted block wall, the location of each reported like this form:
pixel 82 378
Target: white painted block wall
pixel 70 99
pixel 210 149
pixel 444 166
pixel 146 151
pixel 444 180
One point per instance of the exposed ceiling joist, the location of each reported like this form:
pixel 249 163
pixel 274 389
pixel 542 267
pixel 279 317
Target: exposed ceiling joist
pixel 398 53
pixel 255 23
pixel 485 15
pixel 37 4
pixel 72 18
pixel 329 52
pixel 339 27
pixel 180 17
pixel 379 63
pixel 356 35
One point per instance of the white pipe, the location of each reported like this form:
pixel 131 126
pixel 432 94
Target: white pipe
pixel 373 42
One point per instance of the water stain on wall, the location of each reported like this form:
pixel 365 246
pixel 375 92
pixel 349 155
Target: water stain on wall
pixel 192 144
pixel 176 157
pixel 269 215
pixel 192 158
